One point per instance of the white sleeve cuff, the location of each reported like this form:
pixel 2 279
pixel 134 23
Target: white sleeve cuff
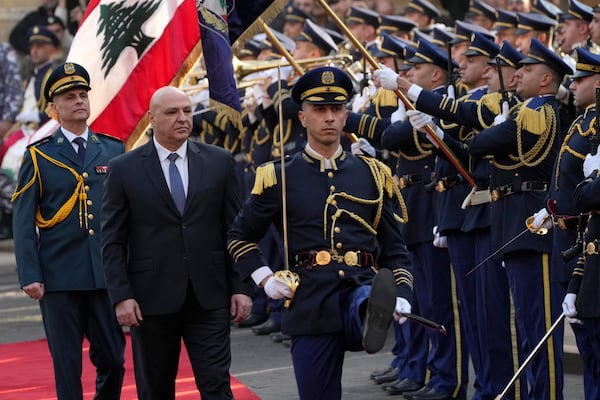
pixel 413 92
pixel 260 274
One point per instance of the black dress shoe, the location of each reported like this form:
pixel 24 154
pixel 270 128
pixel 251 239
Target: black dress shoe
pixel 423 390
pixel 287 342
pixel 279 337
pixel 269 326
pixel 380 309
pixel 381 371
pixel 403 386
pixel 390 376
pixel 432 394
pixel 253 319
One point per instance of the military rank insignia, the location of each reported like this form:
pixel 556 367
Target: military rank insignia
pixel 102 169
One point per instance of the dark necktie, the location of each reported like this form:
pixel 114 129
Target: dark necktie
pixel 80 142
pixel 176 183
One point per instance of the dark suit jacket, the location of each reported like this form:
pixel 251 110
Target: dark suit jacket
pixel 65 256
pixel 150 251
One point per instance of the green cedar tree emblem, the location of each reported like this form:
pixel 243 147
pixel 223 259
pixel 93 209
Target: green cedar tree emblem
pixel 122 27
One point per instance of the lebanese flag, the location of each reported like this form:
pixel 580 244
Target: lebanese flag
pixel 131 48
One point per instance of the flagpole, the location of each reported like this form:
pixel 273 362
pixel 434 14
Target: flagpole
pixel 409 106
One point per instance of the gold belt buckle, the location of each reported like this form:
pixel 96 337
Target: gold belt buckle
pixel 351 258
pixel 439 187
pixel 495 195
pixel 560 222
pixel 590 249
pixel 322 257
pixel 402 182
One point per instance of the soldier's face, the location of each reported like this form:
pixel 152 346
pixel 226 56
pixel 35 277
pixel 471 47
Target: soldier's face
pixel 420 74
pixel 171 118
pixel 506 34
pixel 71 106
pixel 584 90
pixel 529 78
pixel 472 69
pixel 323 122
pixel 595 28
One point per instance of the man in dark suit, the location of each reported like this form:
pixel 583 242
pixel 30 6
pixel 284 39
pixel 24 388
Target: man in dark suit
pixel 166 210
pixel 57 239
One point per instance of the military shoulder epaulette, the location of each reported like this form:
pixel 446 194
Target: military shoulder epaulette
pixel 40 141
pixel 106 135
pixel 385 98
pixel 532 116
pixel 492 102
pixel 265 177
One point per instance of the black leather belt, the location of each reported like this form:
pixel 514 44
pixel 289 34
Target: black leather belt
pixel 409 179
pixel 443 184
pixel 527 186
pixel 315 258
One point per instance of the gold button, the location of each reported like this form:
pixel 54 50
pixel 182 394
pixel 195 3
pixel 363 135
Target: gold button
pixel 338 245
pixel 337 229
pixel 341 273
pixel 85 175
pixel 91 232
pixel 90 216
pixel 89 202
pixel 330 174
pixel 87 188
pixel 332 188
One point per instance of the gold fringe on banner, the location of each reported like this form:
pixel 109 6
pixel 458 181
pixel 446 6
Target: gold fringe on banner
pixel 267 16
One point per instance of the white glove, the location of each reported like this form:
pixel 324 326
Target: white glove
pixel 541 219
pixel 439 241
pixel 569 309
pixel 284 73
pixel 277 290
pixel 28 116
pixel 419 120
pixel 402 307
pixel 360 100
pixel 500 118
pixel 387 78
pixel 562 94
pixel 400 113
pixel 450 92
pixel 250 104
pixel 362 147
pixel 591 163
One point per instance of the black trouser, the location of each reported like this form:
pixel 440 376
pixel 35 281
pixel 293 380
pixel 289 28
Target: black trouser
pixel 68 317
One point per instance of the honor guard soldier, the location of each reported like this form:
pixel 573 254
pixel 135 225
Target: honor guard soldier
pixel 481 14
pixel 363 24
pixel 294 21
pixel 505 27
pixel 423 13
pixel 533 25
pixel 524 148
pixel 57 238
pixel 490 340
pixel 595 27
pixel 343 224
pixel 581 304
pixel 560 212
pixel 575 30
pixel 435 296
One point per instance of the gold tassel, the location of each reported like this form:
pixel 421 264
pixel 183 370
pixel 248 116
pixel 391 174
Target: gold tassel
pixel 265 178
pixel 533 121
pixel 492 101
pixel 385 98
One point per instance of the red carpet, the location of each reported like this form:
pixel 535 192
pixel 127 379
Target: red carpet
pixel 26 373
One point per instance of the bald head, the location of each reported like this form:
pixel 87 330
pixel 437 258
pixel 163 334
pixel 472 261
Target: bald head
pixel 170 115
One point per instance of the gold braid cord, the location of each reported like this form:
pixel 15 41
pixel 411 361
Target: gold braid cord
pixel 540 123
pixel 565 148
pixel 385 184
pixel 63 212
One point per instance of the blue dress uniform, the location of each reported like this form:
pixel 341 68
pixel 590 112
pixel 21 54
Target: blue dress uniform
pixel 493 335
pixel 435 284
pixel 586 280
pixel 524 148
pixel 57 243
pixel 567 175
pixel 342 222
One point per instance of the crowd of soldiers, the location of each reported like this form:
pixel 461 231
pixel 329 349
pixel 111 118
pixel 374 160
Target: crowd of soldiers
pixel 489 126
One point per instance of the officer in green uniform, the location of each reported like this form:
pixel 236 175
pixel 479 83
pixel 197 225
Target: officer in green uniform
pixel 57 238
